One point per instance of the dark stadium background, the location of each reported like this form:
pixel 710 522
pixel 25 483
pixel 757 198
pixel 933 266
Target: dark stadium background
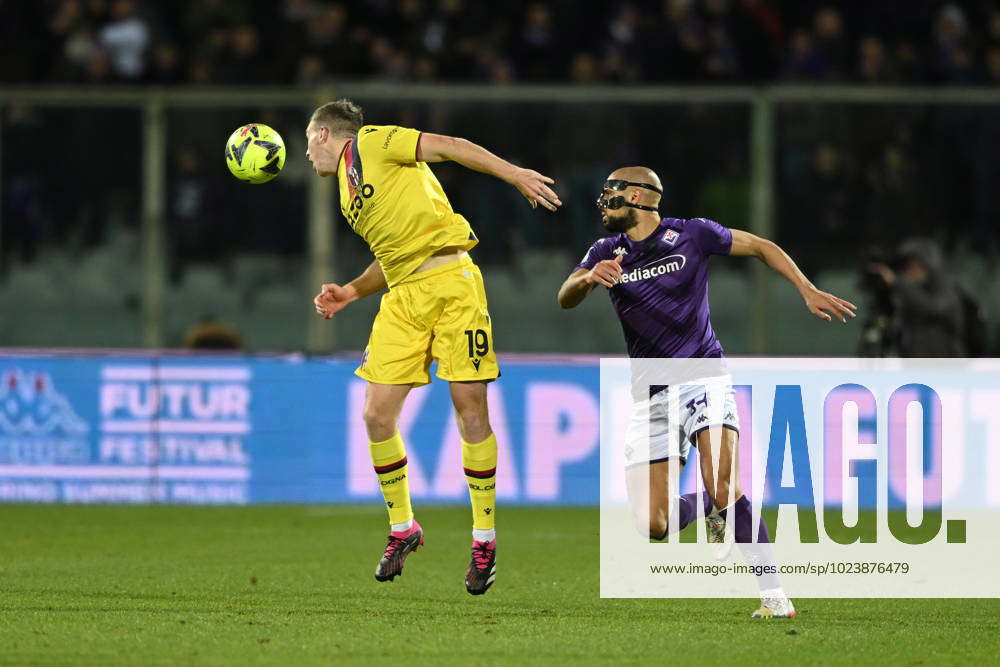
pixel 839 129
pixel 895 134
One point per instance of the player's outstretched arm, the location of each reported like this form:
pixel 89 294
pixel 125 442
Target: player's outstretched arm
pixel 531 184
pixel 821 304
pixel 575 289
pixel 334 298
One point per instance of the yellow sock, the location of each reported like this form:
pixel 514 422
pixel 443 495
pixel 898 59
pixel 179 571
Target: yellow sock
pixel 480 463
pixel 389 459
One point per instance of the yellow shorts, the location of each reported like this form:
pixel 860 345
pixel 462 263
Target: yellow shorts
pixel 437 314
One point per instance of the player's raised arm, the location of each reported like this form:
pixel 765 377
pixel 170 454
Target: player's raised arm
pixel 821 304
pixel 575 289
pixel 531 184
pixel 334 298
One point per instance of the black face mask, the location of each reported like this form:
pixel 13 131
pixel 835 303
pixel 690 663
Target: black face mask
pixel 618 185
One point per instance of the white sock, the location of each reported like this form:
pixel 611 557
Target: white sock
pixel 772 593
pixel 484 535
pixel 401 527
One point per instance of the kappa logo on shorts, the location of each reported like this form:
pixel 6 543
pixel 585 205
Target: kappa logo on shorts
pixel 702 419
pixel 729 415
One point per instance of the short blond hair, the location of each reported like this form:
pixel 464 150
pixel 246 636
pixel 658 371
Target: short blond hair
pixel 341 117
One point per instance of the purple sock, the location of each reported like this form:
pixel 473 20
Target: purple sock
pixel 742 518
pixel 757 554
pixel 687 510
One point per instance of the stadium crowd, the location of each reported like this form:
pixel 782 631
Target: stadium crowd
pixel 851 181
pixel 309 41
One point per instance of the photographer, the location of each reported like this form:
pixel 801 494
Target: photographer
pixel 930 311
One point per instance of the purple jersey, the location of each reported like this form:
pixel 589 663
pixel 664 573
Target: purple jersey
pixel 662 301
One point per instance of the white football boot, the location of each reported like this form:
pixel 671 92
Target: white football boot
pixel 774 604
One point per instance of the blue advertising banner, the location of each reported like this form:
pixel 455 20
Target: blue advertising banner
pixel 234 430
pixel 122 428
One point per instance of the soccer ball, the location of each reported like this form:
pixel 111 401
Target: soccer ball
pixel 255 153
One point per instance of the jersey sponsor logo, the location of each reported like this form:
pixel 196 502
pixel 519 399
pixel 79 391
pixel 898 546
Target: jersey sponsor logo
pixel 670 237
pixel 656 268
pixel 388 138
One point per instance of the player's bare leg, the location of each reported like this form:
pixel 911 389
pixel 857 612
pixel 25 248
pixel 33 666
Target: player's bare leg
pixel 652 488
pixel 649 495
pixel 383 403
pixel 647 487
pixel 479 459
pixel 717 459
pixel 718 454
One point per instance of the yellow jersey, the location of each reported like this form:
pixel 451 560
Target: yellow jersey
pixel 395 203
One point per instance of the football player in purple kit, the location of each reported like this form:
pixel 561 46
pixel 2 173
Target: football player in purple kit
pixel 656 272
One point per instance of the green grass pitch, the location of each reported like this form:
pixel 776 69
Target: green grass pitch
pixel 291 585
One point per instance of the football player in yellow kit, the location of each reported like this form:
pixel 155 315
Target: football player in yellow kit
pixel 435 307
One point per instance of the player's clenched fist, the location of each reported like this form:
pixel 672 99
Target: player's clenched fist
pixel 332 299
pixel 607 272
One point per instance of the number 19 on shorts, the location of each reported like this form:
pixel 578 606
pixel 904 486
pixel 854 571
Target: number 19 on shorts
pixel 479 342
